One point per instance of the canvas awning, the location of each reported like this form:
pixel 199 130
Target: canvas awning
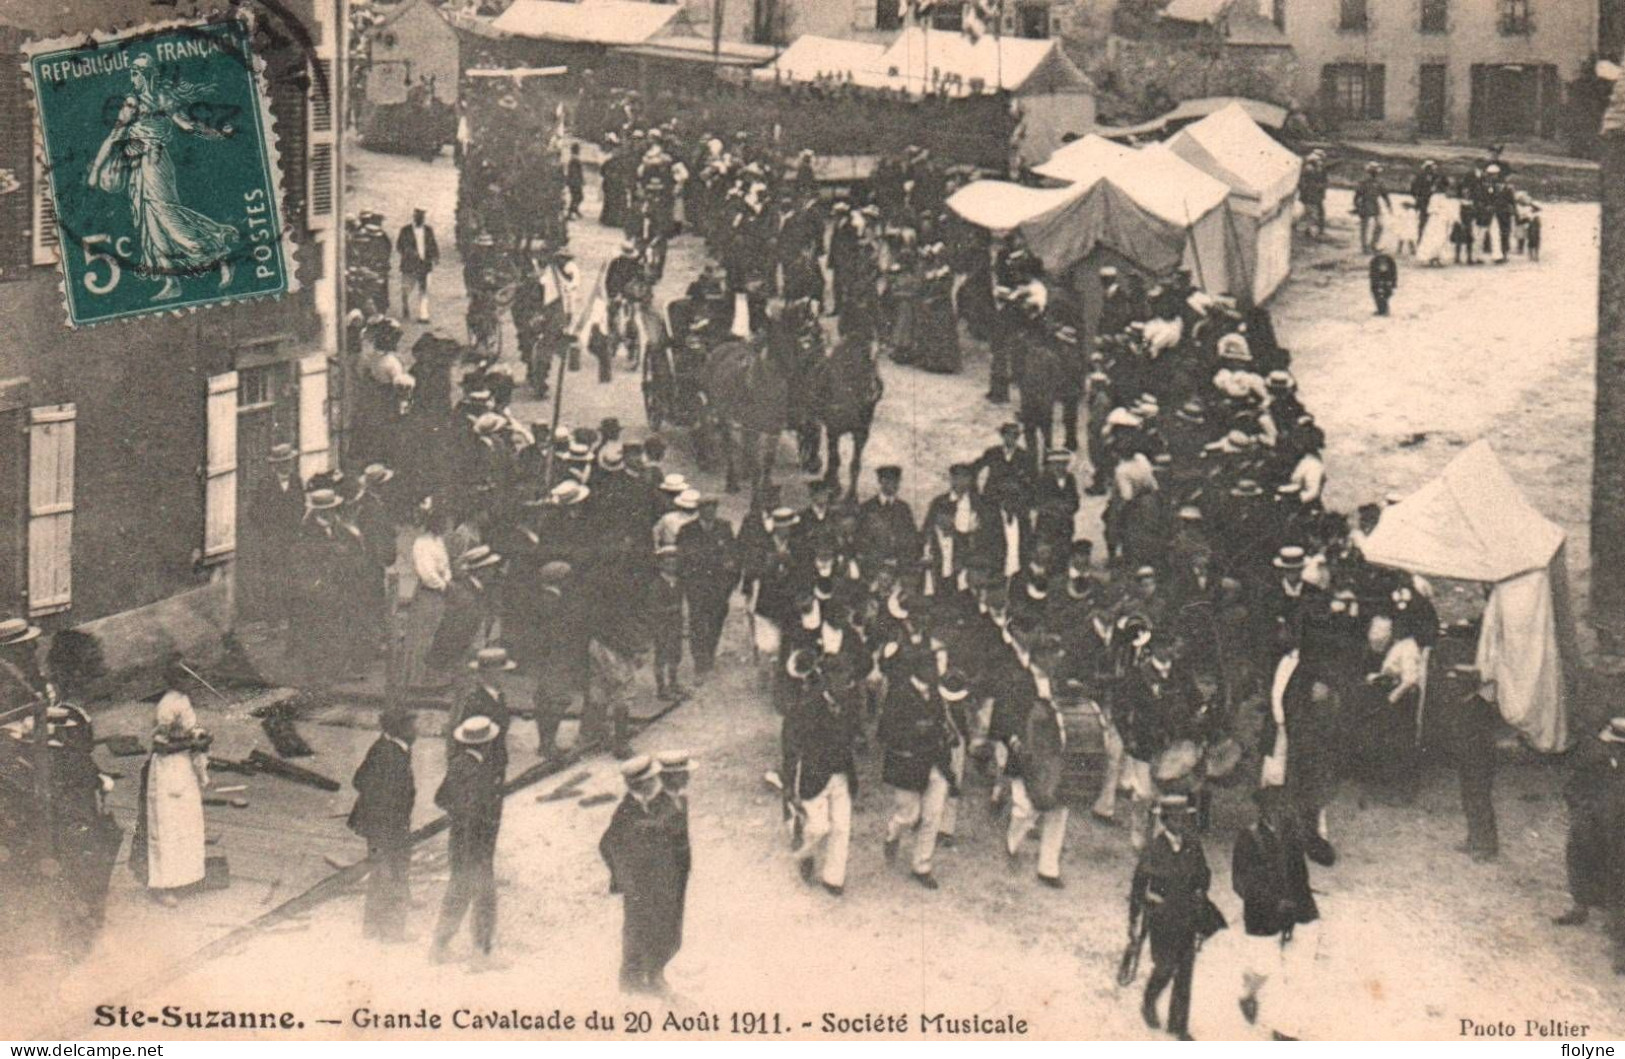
pixel 1229 146
pixel 809 58
pixel 955 65
pixel 608 22
pixel 1000 206
pixel 1156 179
pixel 1471 523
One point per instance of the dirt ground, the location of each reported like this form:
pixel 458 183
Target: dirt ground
pixel 1414 937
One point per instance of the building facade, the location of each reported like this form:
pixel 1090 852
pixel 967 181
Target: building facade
pixel 1445 69
pixel 127 450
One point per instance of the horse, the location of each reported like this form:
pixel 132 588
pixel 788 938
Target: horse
pixel 844 389
pixel 746 396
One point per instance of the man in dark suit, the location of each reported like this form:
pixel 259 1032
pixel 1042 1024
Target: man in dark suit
pixel 471 796
pixel 575 182
pixel 1168 901
pixel 1269 871
pixel 419 255
pixel 486 699
pixel 708 566
pixel 383 816
pixel 645 869
pixel 1006 461
pixel 886 529
pixel 275 513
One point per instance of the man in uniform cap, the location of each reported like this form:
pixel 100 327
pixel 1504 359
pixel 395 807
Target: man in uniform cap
pixel 485 698
pixel 708 567
pixel 676 769
pixel 665 603
pixel 645 869
pixel 383 816
pixel 819 732
pixel 471 796
pixel 886 530
pixel 419 255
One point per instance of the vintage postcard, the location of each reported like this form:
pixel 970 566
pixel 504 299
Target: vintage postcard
pixel 161 169
pixel 901 520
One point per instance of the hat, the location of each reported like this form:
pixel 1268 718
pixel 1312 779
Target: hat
pixel 554 572
pixel 800 664
pixel 674 483
pixel 579 452
pixel 889 472
pixel 784 517
pixel 322 499
pixel 282 453
pixel 1373 167
pixel 1290 557
pixel 490 558
pixel 1058 456
pixel 1234 347
pixel 1281 380
pixel 17 630
pixel 1173 803
pixel 377 474
pixel 569 493
pixel 476 731
pixel 1190 513
pixel 476 554
pixel 1246 487
pixel 562 434
pixel 1192 411
pixel 1145 571
pixel 640 769
pixel 953 687
pixel 1614 730
pixel 612 457
pixel 664 550
pixel 1109 272
pixel 492 658
pixel 674 761
pixel 688 500
pixel 961 468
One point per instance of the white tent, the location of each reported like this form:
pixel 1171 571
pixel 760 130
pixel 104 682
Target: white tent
pixel 809 58
pixel 588 22
pixel 1263 180
pixel 1472 523
pixel 1000 206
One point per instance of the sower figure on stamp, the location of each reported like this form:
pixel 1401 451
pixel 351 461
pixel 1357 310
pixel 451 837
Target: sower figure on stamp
pixel 383 816
pixel 644 870
pixel 471 796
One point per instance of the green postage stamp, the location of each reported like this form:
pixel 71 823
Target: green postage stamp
pixel 162 166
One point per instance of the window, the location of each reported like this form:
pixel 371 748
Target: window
pixel 1515 20
pixel 220 468
pixel 50 508
pixel 319 135
pixel 888 14
pixel 1353 91
pixel 949 14
pixel 313 427
pixel 1352 15
pixel 1435 16
pixel 1032 21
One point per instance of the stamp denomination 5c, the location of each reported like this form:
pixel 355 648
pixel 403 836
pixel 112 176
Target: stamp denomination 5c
pixel 162 164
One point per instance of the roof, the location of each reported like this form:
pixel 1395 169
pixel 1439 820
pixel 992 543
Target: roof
pixel 1266 115
pixel 1156 179
pixel 1230 146
pixel 402 8
pixel 1471 523
pixel 1247 29
pixel 1196 10
pixel 698 49
pixel 1012 63
pixel 589 22
pixel 809 58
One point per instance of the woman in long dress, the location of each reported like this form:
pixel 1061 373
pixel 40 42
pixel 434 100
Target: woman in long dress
pixel 169 835
pixel 137 159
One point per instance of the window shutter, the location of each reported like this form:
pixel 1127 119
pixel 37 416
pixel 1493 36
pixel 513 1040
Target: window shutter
pixel 313 433
pixel 319 137
pixel 220 470
pixel 50 508
pixel 865 14
pixel 45 234
pixel 1376 78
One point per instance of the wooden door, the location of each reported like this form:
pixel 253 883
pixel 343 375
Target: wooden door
pixel 1430 100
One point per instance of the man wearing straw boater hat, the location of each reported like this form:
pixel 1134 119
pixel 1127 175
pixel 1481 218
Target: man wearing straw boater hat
pixel 645 869
pixel 485 698
pixel 1595 793
pixel 471 796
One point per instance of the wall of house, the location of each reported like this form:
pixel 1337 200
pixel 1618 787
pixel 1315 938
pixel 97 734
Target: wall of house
pixel 420 44
pixel 139 388
pixel 1564 36
pixel 1153 74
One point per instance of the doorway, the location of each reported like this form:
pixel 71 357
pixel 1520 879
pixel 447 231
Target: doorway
pixel 1430 100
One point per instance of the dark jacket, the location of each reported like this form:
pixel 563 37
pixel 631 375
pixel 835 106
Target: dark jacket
pixel 471 795
pixel 709 560
pixel 1270 874
pixel 407 246
pixel 386 791
pixel 914 737
pixel 818 744
pixel 1170 891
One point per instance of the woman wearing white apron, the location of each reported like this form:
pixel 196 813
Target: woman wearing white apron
pixel 172 809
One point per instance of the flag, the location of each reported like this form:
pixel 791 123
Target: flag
pixel 981 18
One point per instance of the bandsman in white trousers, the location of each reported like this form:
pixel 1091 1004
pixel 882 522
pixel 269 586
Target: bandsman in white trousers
pixel 818 765
pixel 1037 761
pixel 914 735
